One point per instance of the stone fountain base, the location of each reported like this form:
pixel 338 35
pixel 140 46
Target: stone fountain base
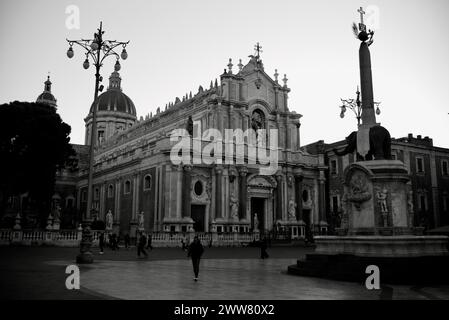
pixel 401 260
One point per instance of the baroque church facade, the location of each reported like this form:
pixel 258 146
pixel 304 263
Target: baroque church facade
pixel 135 177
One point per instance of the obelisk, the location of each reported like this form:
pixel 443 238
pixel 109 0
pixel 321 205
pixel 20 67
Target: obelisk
pixel 366 83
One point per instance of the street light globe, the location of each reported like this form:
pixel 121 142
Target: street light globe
pixel 117 66
pixel 86 64
pixel 70 53
pixel 124 54
pixel 94 45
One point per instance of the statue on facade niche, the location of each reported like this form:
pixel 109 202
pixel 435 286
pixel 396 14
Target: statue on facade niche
pixel 256 222
pixel 234 208
pixel 109 220
pixel 140 221
pixel 291 210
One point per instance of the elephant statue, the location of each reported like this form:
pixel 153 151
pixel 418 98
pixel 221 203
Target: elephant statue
pixel 379 141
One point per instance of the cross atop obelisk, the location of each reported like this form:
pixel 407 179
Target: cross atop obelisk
pixel 362 26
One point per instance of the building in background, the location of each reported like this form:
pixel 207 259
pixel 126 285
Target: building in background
pixel 428 167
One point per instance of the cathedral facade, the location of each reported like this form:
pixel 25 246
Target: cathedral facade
pixel 139 179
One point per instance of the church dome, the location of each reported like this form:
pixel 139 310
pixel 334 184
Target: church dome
pixel 114 99
pixel 47 97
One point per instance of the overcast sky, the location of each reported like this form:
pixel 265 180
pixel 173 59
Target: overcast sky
pixel 178 45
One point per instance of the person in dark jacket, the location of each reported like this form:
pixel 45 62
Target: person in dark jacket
pixel 149 242
pixel 141 245
pixel 195 252
pixel 101 242
pixel 127 240
pixel 263 249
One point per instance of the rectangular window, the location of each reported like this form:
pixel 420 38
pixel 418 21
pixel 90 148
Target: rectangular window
pixel 445 203
pixel 334 204
pixel 422 203
pixel 419 165
pixel 444 167
pixel 333 166
pixel 394 155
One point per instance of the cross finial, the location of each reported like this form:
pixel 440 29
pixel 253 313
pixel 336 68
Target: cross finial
pixel 276 75
pixel 258 49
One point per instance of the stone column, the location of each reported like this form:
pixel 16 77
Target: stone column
pixel 137 191
pixel 298 198
pixel 119 198
pixel 279 197
pixel 298 135
pixel 322 200
pixel 219 192
pixel 243 192
pixel 226 194
pixel 179 192
pixel 186 207
pixel 102 200
pixel 134 210
pixel 156 201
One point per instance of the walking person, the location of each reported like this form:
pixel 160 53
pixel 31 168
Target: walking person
pixel 195 252
pixel 141 245
pixel 149 241
pixel 127 240
pixel 263 249
pixel 101 242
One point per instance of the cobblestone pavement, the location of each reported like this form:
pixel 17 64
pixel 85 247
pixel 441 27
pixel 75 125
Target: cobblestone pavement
pixel 225 273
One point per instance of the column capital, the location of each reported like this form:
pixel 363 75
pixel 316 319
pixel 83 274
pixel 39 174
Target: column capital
pixel 218 169
pixel 243 171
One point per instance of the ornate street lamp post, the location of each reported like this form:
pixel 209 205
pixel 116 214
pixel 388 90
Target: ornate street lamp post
pixel 356 106
pixel 96 49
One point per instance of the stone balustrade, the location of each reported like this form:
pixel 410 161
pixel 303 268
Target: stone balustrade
pixel 72 238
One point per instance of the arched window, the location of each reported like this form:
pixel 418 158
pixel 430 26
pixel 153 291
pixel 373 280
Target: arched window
pixel 127 188
pixel 257 120
pixel 110 191
pixel 147 182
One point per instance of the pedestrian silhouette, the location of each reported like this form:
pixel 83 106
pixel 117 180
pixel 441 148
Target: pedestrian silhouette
pixel 149 241
pixel 263 249
pixel 195 252
pixel 141 245
pixel 101 242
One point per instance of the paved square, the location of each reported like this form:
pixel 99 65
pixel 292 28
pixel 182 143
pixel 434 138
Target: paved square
pixel 225 273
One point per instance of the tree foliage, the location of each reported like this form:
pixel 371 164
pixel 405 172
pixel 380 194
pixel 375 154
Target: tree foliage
pixel 34 143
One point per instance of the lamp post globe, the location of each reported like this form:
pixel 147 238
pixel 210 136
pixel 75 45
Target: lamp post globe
pixel 86 64
pixel 94 45
pixel 117 66
pixel 70 52
pixel 124 54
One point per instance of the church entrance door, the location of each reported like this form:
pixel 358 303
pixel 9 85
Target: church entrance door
pixel 258 208
pixel 198 215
